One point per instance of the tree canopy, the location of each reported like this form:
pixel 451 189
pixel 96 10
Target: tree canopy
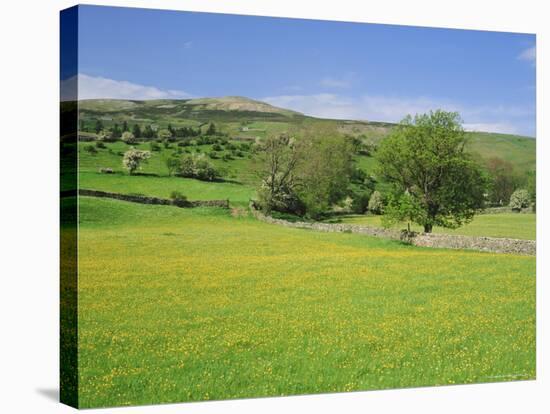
pixel 504 180
pixel 425 158
pixel 133 158
pixel 307 174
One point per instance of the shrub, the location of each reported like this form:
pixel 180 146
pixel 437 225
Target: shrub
pixel 376 203
pixel 105 136
pixel 179 198
pixel 347 204
pixel 164 134
pixel 227 157
pixel 173 165
pixel 186 167
pixel 106 171
pixel 128 137
pixel 214 155
pixel 360 202
pixel 284 200
pixel 204 170
pixel 133 158
pixel 154 146
pixel 100 144
pixel 519 199
pixel 221 140
pixel 217 147
pixel 177 195
pixel 197 167
pixel 358 175
pixel 90 149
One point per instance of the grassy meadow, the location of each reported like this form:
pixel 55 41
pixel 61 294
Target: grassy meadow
pixel 180 304
pixel 193 304
pixel 154 179
pixel 509 225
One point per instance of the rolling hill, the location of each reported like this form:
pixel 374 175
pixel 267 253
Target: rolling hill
pixel 245 117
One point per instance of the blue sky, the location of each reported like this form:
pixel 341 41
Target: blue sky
pixel 327 69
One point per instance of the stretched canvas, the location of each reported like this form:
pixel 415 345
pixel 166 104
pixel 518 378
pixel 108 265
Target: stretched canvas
pixel 256 206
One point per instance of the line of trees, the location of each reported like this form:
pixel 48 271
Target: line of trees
pixel 304 175
pixel 433 180
pixel 507 187
pixel 148 132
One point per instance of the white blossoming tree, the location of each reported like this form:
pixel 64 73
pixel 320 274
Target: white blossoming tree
pixel 133 158
pixel 128 137
pixel 519 199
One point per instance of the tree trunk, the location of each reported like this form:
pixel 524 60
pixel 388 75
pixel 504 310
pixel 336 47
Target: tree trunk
pixel 428 228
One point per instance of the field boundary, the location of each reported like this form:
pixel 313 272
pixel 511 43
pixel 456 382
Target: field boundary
pixel 447 241
pixel 135 198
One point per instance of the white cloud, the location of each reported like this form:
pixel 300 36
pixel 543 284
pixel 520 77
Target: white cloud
pixel 529 54
pixel 92 87
pixel 393 109
pixel 499 127
pixel 500 118
pixel 323 105
pixel 367 107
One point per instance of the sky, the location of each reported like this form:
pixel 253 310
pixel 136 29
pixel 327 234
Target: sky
pixel 320 68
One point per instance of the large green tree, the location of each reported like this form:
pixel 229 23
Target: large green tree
pixel 306 174
pixel 278 160
pixel 425 157
pixel 325 169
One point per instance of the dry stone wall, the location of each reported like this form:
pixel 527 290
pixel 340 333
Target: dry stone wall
pixel 154 200
pixel 448 241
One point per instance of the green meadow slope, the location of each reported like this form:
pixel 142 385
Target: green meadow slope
pixel 192 304
pixel 241 117
pixel 195 304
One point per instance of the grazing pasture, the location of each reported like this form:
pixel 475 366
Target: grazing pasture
pixel 180 304
pixel 509 225
pixel 192 304
pixel 153 178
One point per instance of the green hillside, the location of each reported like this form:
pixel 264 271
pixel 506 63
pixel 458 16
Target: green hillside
pixel 246 119
pixel 187 304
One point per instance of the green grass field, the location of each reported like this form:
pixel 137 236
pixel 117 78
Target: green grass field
pixel 516 226
pixel 194 304
pixel 238 188
pixel 191 304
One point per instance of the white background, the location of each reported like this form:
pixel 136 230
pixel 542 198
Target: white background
pixel 29 56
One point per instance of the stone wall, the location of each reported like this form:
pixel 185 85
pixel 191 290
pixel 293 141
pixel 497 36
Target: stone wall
pixel 154 200
pixel 487 244
pixel 506 209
